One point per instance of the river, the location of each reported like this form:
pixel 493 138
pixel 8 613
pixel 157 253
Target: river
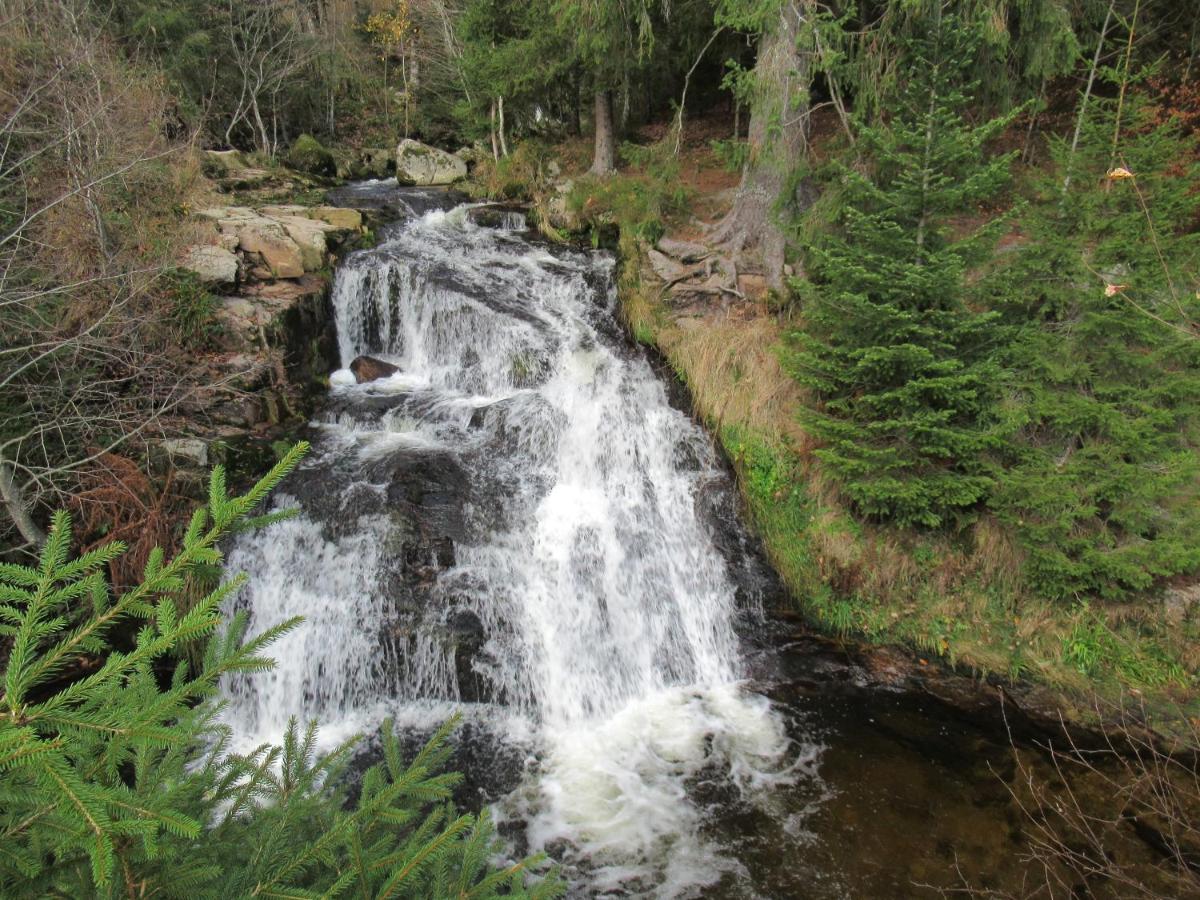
pixel 524 525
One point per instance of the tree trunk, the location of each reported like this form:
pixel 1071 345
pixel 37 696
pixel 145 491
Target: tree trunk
pixel 605 160
pixel 778 139
pixel 576 119
pixel 492 131
pixel 500 117
pixel 10 493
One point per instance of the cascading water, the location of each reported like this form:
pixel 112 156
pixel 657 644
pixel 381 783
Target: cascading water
pixel 514 522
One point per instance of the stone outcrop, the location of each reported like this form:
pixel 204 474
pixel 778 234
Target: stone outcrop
pixel 270 250
pixel 274 341
pixel 273 347
pixel 212 264
pixel 420 164
pixel 270 242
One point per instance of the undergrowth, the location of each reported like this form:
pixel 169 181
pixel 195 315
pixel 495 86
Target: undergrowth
pixel 961 600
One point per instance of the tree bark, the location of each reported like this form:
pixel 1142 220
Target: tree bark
pixel 500 115
pixel 10 493
pixel 605 160
pixel 778 141
pixel 492 131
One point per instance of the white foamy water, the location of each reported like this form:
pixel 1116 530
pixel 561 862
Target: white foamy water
pixel 523 426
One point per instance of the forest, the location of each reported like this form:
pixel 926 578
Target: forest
pixel 928 270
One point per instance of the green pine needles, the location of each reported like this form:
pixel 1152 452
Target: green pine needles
pixel 1102 380
pixel 899 363
pixel 116 778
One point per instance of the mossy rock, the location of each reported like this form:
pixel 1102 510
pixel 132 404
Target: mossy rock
pixel 308 155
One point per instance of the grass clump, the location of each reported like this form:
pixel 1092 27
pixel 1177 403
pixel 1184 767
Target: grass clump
pixel 640 201
pixel 962 597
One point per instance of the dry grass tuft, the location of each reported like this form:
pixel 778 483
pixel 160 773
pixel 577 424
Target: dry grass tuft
pixel 997 558
pixel 733 370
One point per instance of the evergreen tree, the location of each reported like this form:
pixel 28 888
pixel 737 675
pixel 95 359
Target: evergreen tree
pixel 900 366
pixel 611 38
pixel 1103 384
pixel 116 779
pixel 500 38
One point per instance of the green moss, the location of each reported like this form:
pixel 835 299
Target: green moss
pixel 308 155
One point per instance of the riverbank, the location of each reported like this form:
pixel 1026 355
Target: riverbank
pixel 954 600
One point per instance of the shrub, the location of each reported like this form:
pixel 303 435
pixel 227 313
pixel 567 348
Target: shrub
pixel 1102 386
pixel 117 778
pixel 898 359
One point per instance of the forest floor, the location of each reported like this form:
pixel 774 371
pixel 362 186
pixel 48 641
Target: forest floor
pixel 950 599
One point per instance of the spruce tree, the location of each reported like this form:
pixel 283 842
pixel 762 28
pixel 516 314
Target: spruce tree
pixel 116 778
pixel 1102 387
pixel 899 364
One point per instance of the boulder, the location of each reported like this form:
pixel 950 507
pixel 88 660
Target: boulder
pixel 212 264
pixel 376 162
pixel 281 256
pixel 559 211
pixel 309 236
pixel 346 165
pixel 186 451
pixel 307 155
pixel 418 163
pixel 368 368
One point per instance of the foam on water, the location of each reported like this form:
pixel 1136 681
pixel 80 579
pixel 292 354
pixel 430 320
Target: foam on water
pixel 607 611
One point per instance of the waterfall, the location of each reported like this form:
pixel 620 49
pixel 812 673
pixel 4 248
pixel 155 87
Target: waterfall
pixel 513 524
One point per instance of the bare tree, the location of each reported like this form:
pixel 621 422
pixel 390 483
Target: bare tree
pixel 268 48
pixel 82 367
pixel 1118 816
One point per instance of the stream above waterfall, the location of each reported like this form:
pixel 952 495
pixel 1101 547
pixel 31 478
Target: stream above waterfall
pixel 524 525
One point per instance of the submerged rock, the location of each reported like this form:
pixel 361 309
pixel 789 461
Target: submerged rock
pixel 368 368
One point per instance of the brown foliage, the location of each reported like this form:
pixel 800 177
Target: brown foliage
pixel 117 501
pixel 92 196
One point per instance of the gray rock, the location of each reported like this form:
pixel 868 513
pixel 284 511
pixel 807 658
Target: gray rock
pixel 1178 602
pixel 212 264
pixel 376 161
pixel 187 450
pixel 418 163
pixel 281 256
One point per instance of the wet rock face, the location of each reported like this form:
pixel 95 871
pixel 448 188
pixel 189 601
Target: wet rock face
pixel 368 368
